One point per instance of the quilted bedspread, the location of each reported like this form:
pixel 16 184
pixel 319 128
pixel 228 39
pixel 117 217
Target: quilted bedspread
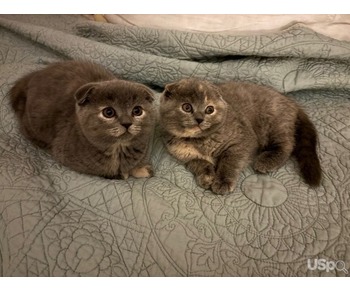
pixel 56 222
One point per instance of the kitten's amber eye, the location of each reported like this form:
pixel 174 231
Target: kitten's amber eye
pixel 187 107
pixel 209 110
pixel 109 112
pixel 137 111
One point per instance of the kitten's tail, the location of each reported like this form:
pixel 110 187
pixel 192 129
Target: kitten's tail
pixel 18 95
pixel 305 150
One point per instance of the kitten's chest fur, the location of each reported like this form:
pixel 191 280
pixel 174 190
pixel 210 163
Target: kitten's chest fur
pixel 187 149
pixel 118 160
pixel 116 163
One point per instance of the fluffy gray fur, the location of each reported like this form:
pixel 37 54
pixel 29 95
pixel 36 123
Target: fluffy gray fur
pixel 217 130
pixel 89 120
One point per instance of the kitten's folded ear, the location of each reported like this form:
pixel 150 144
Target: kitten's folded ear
pixel 83 93
pixel 149 95
pixel 216 89
pixel 169 89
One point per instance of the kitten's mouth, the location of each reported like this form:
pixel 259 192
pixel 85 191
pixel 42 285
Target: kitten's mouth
pixel 200 128
pixel 129 133
pixel 187 132
pixel 126 135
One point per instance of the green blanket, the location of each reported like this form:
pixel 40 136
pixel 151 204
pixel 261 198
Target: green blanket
pixel 56 222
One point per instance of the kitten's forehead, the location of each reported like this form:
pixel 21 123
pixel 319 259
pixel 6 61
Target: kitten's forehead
pixel 197 89
pixel 123 91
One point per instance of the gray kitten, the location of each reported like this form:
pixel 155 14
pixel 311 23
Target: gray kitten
pixel 217 130
pixel 89 120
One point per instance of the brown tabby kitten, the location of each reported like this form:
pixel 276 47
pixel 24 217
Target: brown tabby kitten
pixel 86 118
pixel 217 130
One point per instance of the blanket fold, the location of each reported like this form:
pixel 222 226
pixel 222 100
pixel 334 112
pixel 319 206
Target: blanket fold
pixel 295 59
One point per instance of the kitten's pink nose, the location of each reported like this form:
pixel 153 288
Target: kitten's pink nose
pixel 127 125
pixel 199 120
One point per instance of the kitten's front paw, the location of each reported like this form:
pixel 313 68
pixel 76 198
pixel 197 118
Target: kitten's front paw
pixel 205 180
pixel 223 186
pixel 205 177
pixel 124 176
pixel 142 172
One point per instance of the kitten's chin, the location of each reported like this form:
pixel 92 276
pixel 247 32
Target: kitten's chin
pixel 125 136
pixel 187 133
pixel 128 135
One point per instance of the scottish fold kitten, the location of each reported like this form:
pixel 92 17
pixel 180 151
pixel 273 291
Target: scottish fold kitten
pixel 217 130
pixel 89 120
